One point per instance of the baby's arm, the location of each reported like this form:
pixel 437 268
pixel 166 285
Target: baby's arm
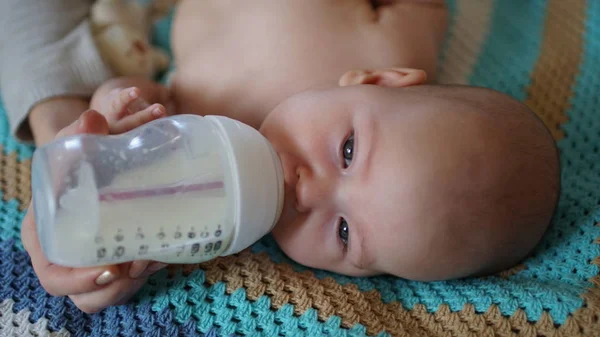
pixel 129 102
pixel 49 65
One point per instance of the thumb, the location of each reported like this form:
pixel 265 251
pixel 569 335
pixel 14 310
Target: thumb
pixel 91 121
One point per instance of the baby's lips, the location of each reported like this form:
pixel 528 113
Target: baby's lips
pixel 289 205
pixel 289 171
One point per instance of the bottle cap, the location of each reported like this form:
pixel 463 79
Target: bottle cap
pixel 258 183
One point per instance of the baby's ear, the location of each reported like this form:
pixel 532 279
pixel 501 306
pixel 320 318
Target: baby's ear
pixel 389 77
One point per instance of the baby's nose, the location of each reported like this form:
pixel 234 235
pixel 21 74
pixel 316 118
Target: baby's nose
pixel 312 190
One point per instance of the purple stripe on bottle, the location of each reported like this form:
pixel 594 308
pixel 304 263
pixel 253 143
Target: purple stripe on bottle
pixel 161 191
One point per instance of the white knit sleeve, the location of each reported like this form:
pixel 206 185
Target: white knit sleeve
pixel 46 50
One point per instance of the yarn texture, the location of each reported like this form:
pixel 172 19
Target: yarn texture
pixel 546 53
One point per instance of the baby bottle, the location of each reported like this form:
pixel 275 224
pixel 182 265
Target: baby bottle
pixel 183 189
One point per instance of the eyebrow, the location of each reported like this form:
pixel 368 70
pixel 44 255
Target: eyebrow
pixel 365 257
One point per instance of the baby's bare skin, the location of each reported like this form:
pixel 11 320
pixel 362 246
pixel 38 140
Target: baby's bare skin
pixel 241 59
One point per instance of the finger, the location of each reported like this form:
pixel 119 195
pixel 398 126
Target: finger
pixel 164 98
pixel 118 292
pixel 129 293
pixel 58 280
pixel 137 268
pixel 25 232
pixel 143 269
pixel 153 268
pixel 131 122
pixel 137 105
pixel 118 104
pixel 91 121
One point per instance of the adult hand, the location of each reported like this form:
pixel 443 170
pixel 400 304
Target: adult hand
pixel 91 289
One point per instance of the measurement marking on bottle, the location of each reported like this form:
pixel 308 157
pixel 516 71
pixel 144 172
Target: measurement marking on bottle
pixel 143 250
pixel 139 235
pixel 173 242
pixel 119 251
pixel 119 237
pixel 101 253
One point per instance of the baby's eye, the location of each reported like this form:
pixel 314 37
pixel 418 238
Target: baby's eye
pixel 343 231
pixel 348 150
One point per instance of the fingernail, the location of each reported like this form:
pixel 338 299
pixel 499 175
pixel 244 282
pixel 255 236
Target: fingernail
pixel 153 268
pixel 157 112
pixel 132 93
pixel 156 266
pixel 106 278
pixel 79 122
pixel 137 268
pixel 80 126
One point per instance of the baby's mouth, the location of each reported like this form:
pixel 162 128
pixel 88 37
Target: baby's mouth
pixel 288 209
pixel 290 196
pixel 290 180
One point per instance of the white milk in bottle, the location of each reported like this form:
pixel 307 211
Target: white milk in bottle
pixel 182 189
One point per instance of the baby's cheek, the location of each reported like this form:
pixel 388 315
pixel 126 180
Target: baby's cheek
pixel 297 244
pixel 287 240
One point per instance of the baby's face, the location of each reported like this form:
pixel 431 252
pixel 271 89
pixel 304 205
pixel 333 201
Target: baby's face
pixel 360 166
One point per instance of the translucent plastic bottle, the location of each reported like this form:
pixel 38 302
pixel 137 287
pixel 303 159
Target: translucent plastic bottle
pixel 182 189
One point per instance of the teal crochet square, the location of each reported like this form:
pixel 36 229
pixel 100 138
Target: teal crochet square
pixel 552 280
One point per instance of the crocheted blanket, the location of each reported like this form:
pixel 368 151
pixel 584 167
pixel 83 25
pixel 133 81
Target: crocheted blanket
pixel 544 53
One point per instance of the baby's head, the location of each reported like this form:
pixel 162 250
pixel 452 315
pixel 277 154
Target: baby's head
pixel 387 175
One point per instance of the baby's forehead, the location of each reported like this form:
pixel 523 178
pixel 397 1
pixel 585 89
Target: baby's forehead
pixel 397 107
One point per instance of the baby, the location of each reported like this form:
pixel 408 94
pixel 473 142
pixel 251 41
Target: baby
pixel 385 172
